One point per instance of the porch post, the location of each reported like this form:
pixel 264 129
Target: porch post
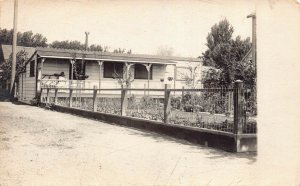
pixel 39 76
pixel 72 61
pixel 148 67
pixel 174 78
pixel 100 72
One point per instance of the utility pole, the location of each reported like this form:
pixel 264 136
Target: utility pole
pixel 86 40
pixel 14 47
pixel 253 16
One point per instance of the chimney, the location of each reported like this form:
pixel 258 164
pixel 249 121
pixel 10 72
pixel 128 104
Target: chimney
pixel 86 40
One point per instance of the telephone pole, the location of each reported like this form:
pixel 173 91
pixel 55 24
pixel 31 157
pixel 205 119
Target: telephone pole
pixel 253 16
pixel 14 48
pixel 86 40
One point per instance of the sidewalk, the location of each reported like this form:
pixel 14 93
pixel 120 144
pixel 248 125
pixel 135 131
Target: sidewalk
pixel 41 147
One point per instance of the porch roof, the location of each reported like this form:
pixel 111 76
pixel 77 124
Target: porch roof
pixel 108 56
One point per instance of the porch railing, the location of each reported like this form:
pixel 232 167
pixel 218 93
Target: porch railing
pixel 221 109
pixel 107 83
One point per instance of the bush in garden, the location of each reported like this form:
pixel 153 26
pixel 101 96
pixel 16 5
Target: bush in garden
pixel 196 103
pixel 132 102
pixel 176 102
pixel 186 98
pixel 188 108
pixel 109 105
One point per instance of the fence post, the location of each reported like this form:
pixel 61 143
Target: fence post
pixel 238 102
pixel 55 95
pixel 167 104
pixel 70 97
pixel 48 96
pixel 40 98
pixel 95 99
pixel 124 102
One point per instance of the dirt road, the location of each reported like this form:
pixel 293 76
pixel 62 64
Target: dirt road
pixel 42 147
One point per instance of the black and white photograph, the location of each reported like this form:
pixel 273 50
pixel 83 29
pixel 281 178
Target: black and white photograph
pixel 128 92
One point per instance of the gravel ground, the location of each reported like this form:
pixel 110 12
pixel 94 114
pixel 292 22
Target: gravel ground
pixel 42 147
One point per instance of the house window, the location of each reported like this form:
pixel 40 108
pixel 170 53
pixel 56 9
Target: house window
pixel 140 72
pixel 31 70
pixel 113 69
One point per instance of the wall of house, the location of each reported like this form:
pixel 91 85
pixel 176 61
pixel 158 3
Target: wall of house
pixel 27 86
pixel 160 75
pixel 92 70
pixel 160 72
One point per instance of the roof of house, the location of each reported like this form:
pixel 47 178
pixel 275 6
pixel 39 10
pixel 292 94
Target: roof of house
pixel 108 56
pixel 6 50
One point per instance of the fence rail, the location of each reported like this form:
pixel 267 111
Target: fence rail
pixel 222 109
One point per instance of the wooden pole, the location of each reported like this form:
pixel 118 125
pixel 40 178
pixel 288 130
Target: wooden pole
pixel 95 99
pixel 238 98
pixel 174 78
pixel 70 97
pixel 100 72
pixel 167 106
pixel 41 95
pixel 14 49
pixel 48 95
pixel 39 75
pixel 72 66
pixel 148 67
pixel 55 96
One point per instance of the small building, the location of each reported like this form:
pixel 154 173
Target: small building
pixel 58 68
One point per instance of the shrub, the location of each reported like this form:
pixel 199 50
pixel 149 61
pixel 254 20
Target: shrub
pixel 176 102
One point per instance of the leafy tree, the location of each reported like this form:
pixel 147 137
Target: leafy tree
pixel 226 54
pixel 75 45
pixel 96 48
pixel 211 77
pixel 165 51
pixel 191 75
pixel 122 51
pixel 28 39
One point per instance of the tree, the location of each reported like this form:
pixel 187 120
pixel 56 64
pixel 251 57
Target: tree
pixel 27 39
pixel 98 48
pixel 226 54
pixel 122 51
pixel 191 75
pixel 165 51
pixel 75 45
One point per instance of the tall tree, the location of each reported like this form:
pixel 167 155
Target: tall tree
pixel 226 54
pixel 75 45
pixel 165 51
pixel 122 51
pixel 27 39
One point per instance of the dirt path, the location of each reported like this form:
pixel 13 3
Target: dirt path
pixel 41 147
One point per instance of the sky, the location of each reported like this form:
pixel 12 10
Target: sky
pixel 143 26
